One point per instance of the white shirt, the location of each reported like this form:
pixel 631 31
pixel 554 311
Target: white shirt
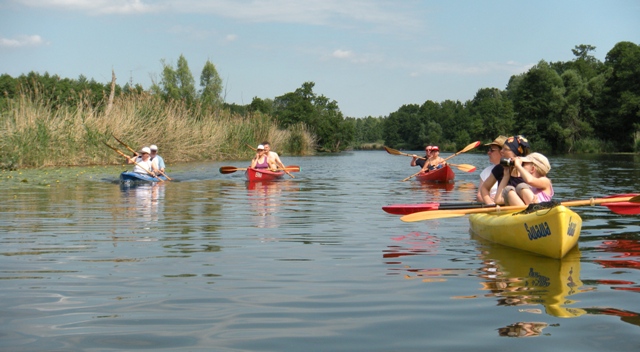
pixel 485 175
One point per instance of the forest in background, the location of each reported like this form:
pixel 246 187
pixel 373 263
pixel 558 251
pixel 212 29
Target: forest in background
pixel 580 106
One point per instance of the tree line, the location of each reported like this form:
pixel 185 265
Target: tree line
pixel 582 105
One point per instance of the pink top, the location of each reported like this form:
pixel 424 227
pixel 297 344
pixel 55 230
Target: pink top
pixel 263 165
pixel 542 197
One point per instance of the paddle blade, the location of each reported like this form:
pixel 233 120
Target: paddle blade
pixel 471 146
pixel 430 215
pixel 404 209
pixel 624 208
pixel 392 151
pixel 464 167
pixel 228 169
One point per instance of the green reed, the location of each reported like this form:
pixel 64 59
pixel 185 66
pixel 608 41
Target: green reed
pixel 34 134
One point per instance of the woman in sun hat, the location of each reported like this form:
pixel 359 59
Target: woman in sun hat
pixel 434 161
pixel 261 160
pixel 505 176
pixel 536 187
pixel 143 163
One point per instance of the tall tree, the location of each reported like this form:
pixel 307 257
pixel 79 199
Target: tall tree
pixel 491 114
pixel 538 105
pixel 211 84
pixel 620 110
pixel 185 80
pixel 319 113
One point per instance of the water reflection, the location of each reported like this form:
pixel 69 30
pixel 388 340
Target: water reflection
pixel 144 202
pixel 519 278
pixel 413 243
pixel 628 250
pixel 435 190
pixel 418 243
pixel 265 199
pixel 522 329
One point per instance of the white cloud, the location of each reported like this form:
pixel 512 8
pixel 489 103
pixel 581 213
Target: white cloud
pixel 231 37
pixel 96 6
pixel 342 54
pixel 388 14
pixel 22 41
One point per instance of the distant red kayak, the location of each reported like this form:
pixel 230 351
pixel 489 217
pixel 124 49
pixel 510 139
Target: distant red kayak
pixel 263 175
pixel 441 175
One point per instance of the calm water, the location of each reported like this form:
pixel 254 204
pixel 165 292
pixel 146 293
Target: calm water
pixel 208 262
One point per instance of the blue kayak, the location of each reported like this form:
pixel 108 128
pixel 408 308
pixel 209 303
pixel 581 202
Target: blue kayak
pixel 129 176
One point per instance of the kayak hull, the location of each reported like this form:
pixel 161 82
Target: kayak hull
pixel 405 209
pixel 253 175
pixel 129 176
pixel 442 175
pixel 548 232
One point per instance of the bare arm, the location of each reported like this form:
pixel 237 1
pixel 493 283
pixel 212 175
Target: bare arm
pixel 503 183
pixel 485 190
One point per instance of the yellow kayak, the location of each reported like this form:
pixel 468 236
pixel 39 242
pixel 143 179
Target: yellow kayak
pixel 548 232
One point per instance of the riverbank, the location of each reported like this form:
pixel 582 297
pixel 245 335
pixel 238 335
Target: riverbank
pixel 33 134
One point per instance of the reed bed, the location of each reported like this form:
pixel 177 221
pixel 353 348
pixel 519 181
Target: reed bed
pixel 33 134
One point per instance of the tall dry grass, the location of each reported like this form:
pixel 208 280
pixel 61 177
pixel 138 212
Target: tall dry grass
pixel 33 134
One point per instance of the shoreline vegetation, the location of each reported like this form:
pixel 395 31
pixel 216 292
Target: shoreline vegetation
pixel 35 134
pixel 582 106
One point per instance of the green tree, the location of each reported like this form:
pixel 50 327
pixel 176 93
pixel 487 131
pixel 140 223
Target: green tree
pixel 538 105
pixel 319 113
pixel 491 114
pixel 620 105
pixel 211 84
pixel 178 84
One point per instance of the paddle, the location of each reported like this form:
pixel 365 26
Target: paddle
pixel 623 208
pixel 134 161
pixel 136 153
pixel 465 149
pixel 441 214
pixel 461 167
pixel 232 169
pixel 284 168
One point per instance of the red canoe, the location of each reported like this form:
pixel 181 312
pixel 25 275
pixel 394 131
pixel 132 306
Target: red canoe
pixel 441 175
pixel 263 175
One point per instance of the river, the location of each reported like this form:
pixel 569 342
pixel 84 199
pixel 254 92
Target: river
pixel 208 262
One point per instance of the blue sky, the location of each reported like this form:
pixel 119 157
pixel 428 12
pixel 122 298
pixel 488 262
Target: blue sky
pixel 370 56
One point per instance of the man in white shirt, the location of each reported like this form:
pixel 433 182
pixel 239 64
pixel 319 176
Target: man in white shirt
pixel 494 157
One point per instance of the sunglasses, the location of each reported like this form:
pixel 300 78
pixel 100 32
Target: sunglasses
pixel 491 150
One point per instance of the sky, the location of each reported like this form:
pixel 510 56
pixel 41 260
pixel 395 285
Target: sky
pixel 371 57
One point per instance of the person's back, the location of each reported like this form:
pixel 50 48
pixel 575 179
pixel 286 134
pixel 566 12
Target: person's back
pixel 156 158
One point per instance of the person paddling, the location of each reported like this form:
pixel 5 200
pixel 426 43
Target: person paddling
pixel 417 161
pixel 143 162
pixel 273 157
pixel 435 161
pixel 261 161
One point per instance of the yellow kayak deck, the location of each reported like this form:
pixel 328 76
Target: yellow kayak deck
pixel 548 232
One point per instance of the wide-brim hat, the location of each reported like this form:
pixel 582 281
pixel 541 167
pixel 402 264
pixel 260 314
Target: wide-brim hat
pixel 540 161
pixel 499 141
